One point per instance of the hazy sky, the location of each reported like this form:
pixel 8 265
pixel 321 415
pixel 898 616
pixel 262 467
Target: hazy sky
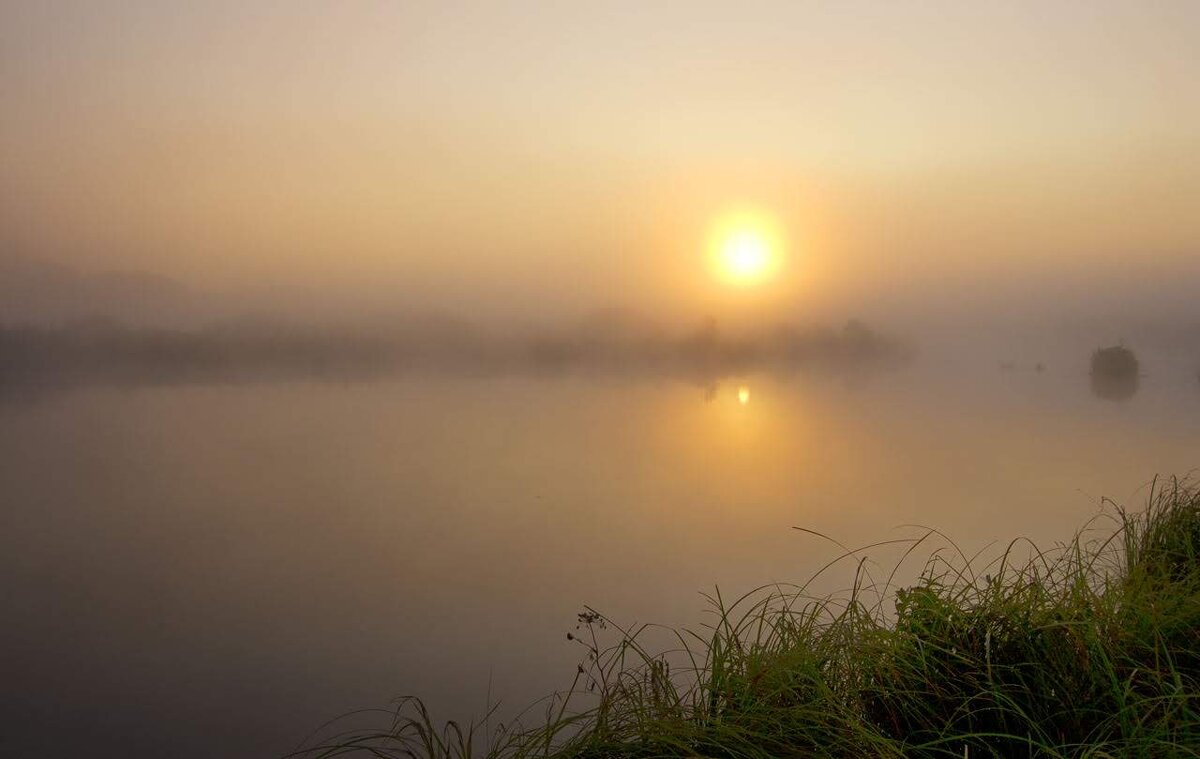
pixel 560 156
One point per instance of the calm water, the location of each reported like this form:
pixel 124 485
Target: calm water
pixel 214 571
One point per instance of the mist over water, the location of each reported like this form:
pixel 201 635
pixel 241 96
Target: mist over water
pixel 214 567
pixel 227 521
pixel 348 350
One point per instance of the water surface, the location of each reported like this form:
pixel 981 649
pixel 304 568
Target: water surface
pixel 215 570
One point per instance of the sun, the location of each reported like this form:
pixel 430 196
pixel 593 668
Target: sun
pixel 745 247
pixel 745 254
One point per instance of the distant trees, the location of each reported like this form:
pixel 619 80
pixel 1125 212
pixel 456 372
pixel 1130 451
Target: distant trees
pixel 101 349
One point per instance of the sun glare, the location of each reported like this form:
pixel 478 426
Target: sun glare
pixel 745 248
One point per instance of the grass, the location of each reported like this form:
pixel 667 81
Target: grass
pixel 1090 649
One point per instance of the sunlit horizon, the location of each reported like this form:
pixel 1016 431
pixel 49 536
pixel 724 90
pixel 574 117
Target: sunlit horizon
pixel 539 163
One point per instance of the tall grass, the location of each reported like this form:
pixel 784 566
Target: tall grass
pixel 1090 649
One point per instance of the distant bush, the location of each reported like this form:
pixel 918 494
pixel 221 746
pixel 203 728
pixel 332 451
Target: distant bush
pixel 1116 362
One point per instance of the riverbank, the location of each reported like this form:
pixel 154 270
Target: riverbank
pixel 1091 648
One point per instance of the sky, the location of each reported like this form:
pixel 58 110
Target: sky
pixel 542 159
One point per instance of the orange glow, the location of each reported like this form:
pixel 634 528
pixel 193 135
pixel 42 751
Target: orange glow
pixel 746 247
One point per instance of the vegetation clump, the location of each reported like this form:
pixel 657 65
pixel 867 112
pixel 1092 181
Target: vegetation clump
pixel 1091 649
pixel 1117 362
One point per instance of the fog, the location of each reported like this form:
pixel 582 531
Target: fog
pixel 349 349
pixel 937 166
pixel 63 326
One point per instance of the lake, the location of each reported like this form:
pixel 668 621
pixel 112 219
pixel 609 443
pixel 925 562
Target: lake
pixel 215 570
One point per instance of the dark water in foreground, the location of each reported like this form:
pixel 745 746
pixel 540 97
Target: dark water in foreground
pixel 215 570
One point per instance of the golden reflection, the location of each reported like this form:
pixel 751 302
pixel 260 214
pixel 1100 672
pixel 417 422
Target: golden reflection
pixel 743 395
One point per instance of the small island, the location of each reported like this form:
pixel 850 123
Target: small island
pixel 1115 373
pixel 1117 362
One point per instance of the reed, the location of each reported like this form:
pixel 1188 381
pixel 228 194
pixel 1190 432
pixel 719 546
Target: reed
pixel 1087 649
